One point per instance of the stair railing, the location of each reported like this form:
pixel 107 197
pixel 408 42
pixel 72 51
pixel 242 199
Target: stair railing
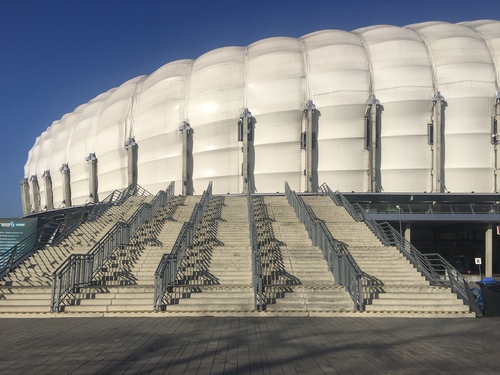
pixel 433 267
pixel 170 264
pixel 92 211
pixel 340 262
pixel 11 258
pixel 80 269
pixel 256 258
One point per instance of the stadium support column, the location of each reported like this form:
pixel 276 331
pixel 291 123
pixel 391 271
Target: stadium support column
pixel 25 196
pixel 187 142
pixel 488 251
pixel 407 232
pixel 308 141
pixel 66 185
pixel 245 135
pixel 92 161
pixel 495 140
pixel 49 198
pixel 131 148
pixel 372 135
pixel 437 146
pixel 36 193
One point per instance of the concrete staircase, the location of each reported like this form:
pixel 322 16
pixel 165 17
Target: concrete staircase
pixel 27 289
pixel 296 277
pixel 392 283
pixel 127 282
pixel 217 271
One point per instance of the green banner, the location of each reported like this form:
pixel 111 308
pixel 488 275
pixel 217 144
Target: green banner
pixel 13 231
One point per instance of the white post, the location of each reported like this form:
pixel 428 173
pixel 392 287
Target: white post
pixel 309 110
pixel 185 129
pixel 92 160
pixel 488 251
pixel 373 133
pixel 66 187
pixel 438 185
pixel 247 123
pixel 25 196
pixel 36 193
pixel 49 197
pixel 131 148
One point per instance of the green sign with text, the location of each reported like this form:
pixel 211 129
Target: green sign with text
pixel 13 231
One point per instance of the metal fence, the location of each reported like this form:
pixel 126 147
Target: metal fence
pixel 433 266
pixel 79 269
pixel 170 264
pixel 344 268
pixel 259 300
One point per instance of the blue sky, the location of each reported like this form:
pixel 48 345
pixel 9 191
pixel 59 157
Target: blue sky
pixel 58 54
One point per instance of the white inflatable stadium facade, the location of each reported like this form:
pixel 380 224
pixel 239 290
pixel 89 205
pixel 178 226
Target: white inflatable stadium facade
pixel 382 108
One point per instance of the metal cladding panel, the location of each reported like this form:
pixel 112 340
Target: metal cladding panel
pixel 216 93
pixel 274 78
pixel 405 153
pixel 59 156
pixel 216 156
pixel 276 96
pixel 79 184
pixel 341 157
pixel 112 130
pixel 338 68
pixel 490 32
pixel 339 75
pixel 81 144
pixel 160 111
pixel 277 151
pixel 465 76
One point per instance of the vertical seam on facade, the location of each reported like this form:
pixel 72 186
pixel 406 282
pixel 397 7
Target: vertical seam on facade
pixel 187 89
pixel 98 117
pixel 245 78
pixel 71 134
pixel 496 68
pixel 371 88
pixel 130 121
pixel 306 69
pixel 430 55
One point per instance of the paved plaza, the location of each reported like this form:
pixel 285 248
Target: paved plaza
pixel 229 345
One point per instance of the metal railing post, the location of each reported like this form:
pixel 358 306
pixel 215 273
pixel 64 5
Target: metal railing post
pixel 167 270
pixel 79 269
pixel 390 237
pixel 340 262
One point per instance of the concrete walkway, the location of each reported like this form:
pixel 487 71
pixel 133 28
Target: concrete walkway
pixel 229 345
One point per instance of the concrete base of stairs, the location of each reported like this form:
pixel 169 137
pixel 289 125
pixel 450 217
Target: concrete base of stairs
pixel 253 314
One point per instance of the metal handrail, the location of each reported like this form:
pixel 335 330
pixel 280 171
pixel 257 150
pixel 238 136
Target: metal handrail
pixel 170 264
pixel 425 208
pixel 92 211
pixel 11 258
pixel 341 264
pixel 79 269
pixel 434 267
pixel 256 258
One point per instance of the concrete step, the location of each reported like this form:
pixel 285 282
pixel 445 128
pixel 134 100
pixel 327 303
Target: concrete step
pixel 25 302
pixel 416 308
pixel 211 307
pixel 25 309
pixel 416 302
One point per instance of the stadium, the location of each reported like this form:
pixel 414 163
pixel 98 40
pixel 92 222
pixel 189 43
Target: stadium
pixel 401 121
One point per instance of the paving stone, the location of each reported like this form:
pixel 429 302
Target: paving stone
pixel 274 345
